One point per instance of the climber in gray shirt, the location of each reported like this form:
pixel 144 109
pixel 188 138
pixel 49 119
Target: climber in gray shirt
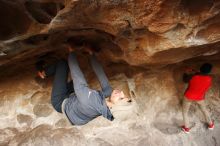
pixel 81 104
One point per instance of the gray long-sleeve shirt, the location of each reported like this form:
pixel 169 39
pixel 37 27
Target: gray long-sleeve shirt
pixel 87 104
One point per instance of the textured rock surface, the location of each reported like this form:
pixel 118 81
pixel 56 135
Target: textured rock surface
pixel 145 46
pixel 138 32
pixel 158 96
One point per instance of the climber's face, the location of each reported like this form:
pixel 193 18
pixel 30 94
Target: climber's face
pixel 118 95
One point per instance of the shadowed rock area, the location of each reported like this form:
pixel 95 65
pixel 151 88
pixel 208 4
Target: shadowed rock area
pixel 145 46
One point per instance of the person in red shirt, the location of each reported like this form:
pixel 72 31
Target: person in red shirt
pixel 198 85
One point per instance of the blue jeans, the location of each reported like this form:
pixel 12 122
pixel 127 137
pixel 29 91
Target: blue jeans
pixel 61 89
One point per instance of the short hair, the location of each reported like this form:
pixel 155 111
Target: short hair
pixel 206 68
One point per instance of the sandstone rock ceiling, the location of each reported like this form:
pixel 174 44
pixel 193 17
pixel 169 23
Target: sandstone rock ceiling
pixel 137 32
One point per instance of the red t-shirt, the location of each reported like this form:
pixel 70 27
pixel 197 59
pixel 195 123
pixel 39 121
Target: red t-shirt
pixel 197 87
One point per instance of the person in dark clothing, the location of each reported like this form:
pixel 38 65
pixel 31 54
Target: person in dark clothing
pixel 75 99
pixel 198 85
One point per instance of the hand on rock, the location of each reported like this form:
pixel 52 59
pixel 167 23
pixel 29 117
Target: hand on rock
pixel 190 70
pixel 69 48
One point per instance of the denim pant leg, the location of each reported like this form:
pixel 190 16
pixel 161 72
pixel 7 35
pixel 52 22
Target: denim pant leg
pixel 80 85
pixel 59 89
pixel 103 80
pixel 50 70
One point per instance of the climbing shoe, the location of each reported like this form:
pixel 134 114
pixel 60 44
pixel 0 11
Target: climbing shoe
pixel 211 126
pixel 185 129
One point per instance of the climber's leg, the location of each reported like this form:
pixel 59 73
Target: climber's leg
pixel 205 112
pixel 185 108
pixel 60 86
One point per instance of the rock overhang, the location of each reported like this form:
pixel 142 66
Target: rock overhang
pixel 139 33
